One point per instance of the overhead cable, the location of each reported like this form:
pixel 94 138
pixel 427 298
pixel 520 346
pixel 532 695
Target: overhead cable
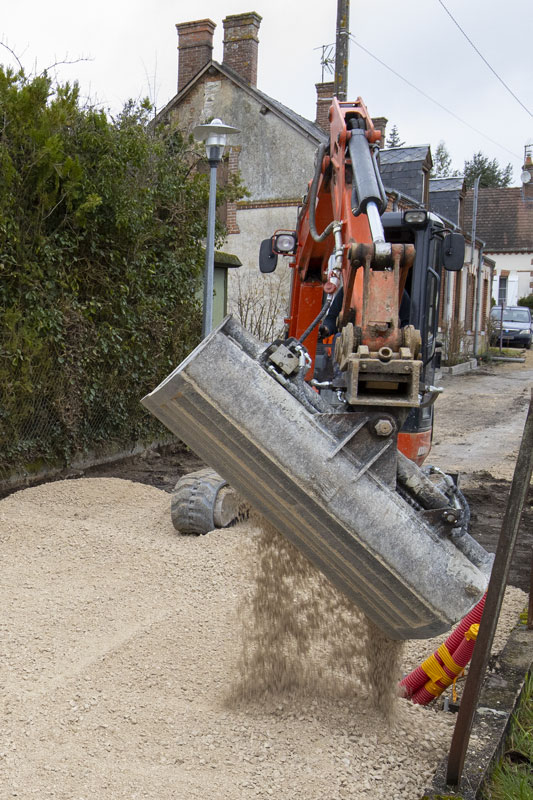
pixel 482 57
pixel 436 102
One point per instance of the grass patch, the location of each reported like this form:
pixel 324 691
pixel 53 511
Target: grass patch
pixel 512 778
pixel 508 352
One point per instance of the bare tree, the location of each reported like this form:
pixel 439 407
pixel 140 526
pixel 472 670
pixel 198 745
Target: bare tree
pixel 260 304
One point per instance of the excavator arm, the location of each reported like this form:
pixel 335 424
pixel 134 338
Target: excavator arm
pixel 341 251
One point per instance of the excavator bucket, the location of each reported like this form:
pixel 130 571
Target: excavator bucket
pixel 296 466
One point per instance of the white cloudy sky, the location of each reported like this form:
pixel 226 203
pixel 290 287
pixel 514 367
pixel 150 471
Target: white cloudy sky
pixel 131 52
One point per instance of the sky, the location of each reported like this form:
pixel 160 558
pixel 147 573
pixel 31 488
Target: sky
pixel 128 50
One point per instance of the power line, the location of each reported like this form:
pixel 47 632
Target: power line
pixel 470 42
pixel 436 102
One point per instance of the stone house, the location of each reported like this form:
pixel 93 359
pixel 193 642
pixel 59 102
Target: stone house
pixel 274 151
pixel 460 293
pixel 505 222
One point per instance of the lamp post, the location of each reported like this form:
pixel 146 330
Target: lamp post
pixel 214 135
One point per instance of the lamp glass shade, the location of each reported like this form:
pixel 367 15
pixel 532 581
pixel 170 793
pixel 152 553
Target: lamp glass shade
pixel 217 140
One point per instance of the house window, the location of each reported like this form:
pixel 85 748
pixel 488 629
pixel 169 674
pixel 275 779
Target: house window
pixel 502 290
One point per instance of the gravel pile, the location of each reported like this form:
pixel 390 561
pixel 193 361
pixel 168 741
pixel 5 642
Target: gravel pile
pixel 121 646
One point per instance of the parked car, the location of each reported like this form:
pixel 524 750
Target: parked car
pixel 514 325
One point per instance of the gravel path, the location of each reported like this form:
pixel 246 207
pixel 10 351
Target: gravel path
pixel 119 642
pixel 479 419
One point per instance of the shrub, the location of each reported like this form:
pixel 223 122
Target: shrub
pixel 526 301
pixel 101 223
pixel 455 341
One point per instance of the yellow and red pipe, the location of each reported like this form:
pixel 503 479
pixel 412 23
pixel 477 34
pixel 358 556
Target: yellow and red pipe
pixel 442 668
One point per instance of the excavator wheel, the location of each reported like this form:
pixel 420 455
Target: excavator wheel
pixel 202 501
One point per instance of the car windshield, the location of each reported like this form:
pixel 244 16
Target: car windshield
pixel 511 314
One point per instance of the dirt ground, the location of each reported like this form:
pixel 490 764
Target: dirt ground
pixel 120 640
pixel 479 421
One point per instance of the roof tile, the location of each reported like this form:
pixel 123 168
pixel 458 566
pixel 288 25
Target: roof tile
pixel 504 219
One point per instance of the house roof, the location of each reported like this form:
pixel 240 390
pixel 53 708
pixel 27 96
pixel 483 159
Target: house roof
pixel 445 196
pixel 309 129
pixel 404 155
pixel 404 168
pixel 504 219
pixel 446 184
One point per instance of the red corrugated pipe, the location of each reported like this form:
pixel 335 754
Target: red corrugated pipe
pixel 431 678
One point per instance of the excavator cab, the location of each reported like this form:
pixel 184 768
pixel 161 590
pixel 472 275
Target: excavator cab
pixel 435 248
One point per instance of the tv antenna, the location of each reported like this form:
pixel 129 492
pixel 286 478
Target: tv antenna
pixel 327 59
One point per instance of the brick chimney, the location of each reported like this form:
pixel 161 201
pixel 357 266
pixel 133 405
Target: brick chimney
pixel 195 47
pixel 241 44
pixel 380 124
pixel 324 98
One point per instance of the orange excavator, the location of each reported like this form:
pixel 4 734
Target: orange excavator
pixel 370 276
pixel 324 430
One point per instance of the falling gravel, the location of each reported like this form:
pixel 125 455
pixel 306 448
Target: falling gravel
pixel 124 658
pixel 301 636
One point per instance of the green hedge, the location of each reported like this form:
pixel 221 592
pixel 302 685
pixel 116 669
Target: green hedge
pixel 526 301
pixel 100 261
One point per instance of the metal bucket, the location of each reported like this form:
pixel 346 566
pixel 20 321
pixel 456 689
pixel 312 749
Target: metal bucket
pixel 289 463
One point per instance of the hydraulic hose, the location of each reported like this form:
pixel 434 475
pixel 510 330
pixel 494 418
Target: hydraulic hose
pixel 323 311
pixel 318 237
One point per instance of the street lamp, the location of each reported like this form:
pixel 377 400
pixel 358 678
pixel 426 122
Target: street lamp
pixel 214 135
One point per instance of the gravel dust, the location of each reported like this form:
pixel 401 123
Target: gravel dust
pixel 302 636
pixel 121 644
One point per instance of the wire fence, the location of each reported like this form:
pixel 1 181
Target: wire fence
pixel 48 421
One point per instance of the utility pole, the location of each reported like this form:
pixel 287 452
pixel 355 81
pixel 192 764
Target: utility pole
pixel 479 278
pixel 341 49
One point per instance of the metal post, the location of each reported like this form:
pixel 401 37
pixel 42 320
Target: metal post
pixel 477 324
pixel 341 49
pixel 474 216
pixel 493 603
pixel 207 319
pixel 474 222
pixel 214 135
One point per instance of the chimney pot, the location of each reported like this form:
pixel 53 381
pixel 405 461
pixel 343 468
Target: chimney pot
pixel 195 46
pixel 241 44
